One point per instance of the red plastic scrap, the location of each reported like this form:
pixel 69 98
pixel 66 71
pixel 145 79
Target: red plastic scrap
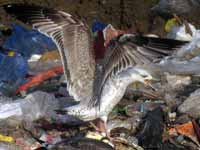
pixel 98 45
pixel 36 80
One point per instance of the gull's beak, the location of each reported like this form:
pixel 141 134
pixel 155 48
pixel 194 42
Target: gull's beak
pixel 148 83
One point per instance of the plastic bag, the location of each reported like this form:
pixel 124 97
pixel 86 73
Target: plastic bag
pixel 12 68
pixel 98 26
pixel 32 107
pixel 179 33
pixel 28 42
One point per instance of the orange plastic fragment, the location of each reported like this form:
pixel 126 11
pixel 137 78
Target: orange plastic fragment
pixel 186 129
pixel 36 80
pixel 52 55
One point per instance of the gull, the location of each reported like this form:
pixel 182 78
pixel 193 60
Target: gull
pixel 167 8
pixel 181 10
pixel 97 86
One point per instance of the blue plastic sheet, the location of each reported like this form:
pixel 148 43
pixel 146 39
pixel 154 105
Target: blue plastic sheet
pixel 28 42
pixel 12 68
pixel 98 26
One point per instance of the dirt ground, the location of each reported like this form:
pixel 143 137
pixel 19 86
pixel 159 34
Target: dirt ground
pixel 122 14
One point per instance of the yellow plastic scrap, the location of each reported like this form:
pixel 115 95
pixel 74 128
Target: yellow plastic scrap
pixel 170 23
pixel 94 135
pixel 3 27
pixel 4 138
pixel 97 136
pixel 11 53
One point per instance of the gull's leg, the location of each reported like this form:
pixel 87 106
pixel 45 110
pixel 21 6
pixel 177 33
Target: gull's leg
pixel 100 125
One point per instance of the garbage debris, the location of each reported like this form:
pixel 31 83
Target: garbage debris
pixel 36 80
pixel 170 24
pixel 196 129
pixel 192 49
pixel 98 26
pixel 4 138
pixel 142 107
pixel 36 67
pixel 167 9
pixel 151 135
pixel 52 55
pixel 128 125
pixel 180 33
pixel 165 117
pixel 177 82
pixel 110 32
pixel 191 105
pixel 172 116
pixel 36 43
pixel 32 107
pixel 12 67
pixel 186 129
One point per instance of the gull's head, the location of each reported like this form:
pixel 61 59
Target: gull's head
pixel 142 75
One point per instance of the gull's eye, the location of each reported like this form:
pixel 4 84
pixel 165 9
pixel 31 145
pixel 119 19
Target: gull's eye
pixel 144 76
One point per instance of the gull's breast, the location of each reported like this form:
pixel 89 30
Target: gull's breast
pixel 112 93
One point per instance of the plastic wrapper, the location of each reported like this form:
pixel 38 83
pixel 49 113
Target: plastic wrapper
pixel 179 33
pixel 177 82
pixel 191 49
pixel 8 146
pixel 98 26
pixel 177 67
pixel 39 66
pixel 130 124
pixel 41 77
pixel 32 107
pixel 191 105
pixel 142 107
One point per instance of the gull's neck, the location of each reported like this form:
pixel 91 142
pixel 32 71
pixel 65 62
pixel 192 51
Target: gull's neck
pixel 115 88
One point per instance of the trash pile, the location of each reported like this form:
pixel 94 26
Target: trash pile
pixel 33 90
